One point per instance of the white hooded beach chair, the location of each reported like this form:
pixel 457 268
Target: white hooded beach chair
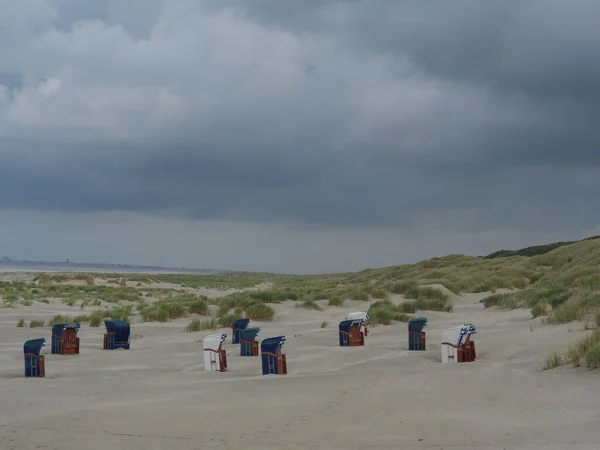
pixel 215 357
pixel 455 339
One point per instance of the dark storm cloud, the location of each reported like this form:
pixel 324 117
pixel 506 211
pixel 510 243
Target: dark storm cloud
pixel 343 113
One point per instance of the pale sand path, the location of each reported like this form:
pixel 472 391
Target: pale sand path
pixel 157 396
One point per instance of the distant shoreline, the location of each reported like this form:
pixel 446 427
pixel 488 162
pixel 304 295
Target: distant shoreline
pixel 19 267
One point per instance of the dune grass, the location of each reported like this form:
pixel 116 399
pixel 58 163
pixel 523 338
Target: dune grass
pixel 202 325
pixel 229 280
pixel 36 323
pixel 565 288
pixel 260 311
pixel 336 301
pixel 21 323
pixel 585 352
pixel 174 307
pixel 309 304
pixel 26 293
pixel 97 318
pixel 384 312
pixel 58 319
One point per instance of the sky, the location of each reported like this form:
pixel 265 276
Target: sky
pixel 296 136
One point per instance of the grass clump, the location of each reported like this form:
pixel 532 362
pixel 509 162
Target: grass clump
pixel 163 312
pixel 227 320
pixel 427 298
pixel 260 311
pixel 309 304
pixel 425 305
pixel 21 323
pixel 552 295
pixel 579 305
pixel 559 302
pixel 36 323
pixel 553 360
pixel 202 325
pixel 585 352
pixel 384 312
pixel 97 318
pixel 58 319
pixel 411 289
pixel 273 296
pixel 336 301
pixel 198 306
pixel 81 319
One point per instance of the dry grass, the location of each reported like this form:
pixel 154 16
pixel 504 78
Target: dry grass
pixel 202 325
pixel 586 352
pixel 565 286
pixel 309 304
pixel 384 312
pixel 260 311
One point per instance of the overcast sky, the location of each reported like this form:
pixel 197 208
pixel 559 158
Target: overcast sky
pixel 296 136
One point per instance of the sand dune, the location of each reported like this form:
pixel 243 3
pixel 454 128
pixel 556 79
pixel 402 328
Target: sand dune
pixel 158 396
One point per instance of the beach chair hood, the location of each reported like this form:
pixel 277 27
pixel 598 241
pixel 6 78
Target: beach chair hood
pixel 357 315
pixel 249 334
pixel 417 324
pixel 272 345
pixel 120 328
pixel 34 346
pixel 238 326
pixel 213 341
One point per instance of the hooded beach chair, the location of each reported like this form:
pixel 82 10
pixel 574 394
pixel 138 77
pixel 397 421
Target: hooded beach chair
pixel 34 362
pixel 350 333
pixel 456 345
pixel 273 361
pixel 238 326
pixel 416 335
pixel 248 342
pixel 215 357
pixel 468 344
pixel 449 344
pixel 117 335
pixel 360 315
pixel 64 339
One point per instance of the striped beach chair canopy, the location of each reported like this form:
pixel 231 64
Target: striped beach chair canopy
pixel 59 328
pixel 466 330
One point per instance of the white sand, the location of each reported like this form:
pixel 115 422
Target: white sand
pixel 157 395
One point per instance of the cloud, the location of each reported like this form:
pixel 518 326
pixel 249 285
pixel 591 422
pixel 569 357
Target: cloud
pixel 384 114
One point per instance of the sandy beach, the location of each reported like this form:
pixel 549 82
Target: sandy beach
pixel 157 395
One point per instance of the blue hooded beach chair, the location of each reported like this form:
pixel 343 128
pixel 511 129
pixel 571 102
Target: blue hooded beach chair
pixel 273 361
pixel 34 362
